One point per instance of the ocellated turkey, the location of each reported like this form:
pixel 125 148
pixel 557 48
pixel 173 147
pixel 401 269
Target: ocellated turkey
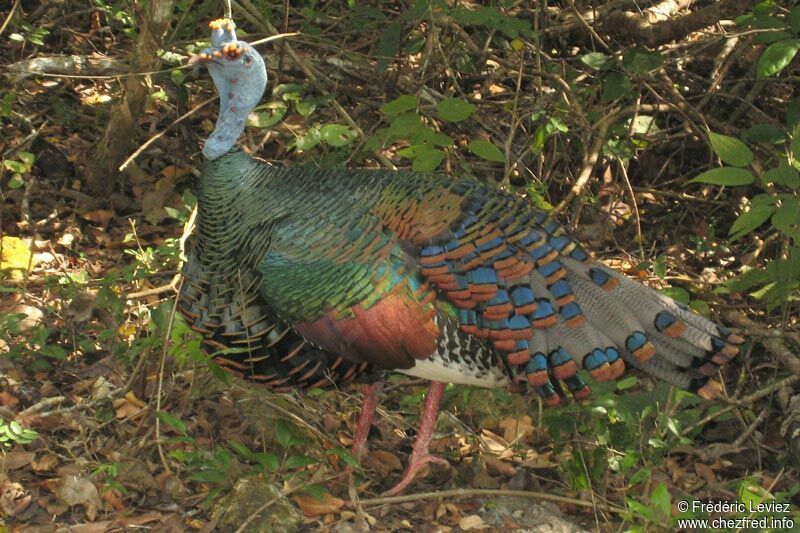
pixel 319 276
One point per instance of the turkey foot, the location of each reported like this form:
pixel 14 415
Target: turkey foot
pixel 419 453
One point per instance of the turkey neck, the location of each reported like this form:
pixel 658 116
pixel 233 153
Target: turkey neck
pixel 234 214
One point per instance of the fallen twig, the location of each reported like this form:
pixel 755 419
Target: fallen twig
pixel 772 339
pixel 466 493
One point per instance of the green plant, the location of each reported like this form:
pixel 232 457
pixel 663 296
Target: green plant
pixel 19 168
pixel 780 29
pixel 214 466
pixel 777 202
pixel 29 33
pixel 13 433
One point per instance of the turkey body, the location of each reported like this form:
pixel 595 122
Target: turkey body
pixel 318 276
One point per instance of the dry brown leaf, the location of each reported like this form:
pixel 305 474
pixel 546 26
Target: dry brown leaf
pixel 382 462
pixel 128 406
pixel 78 490
pixel 496 466
pixel 471 522
pixel 131 397
pixel 53 505
pixel 100 217
pixel 387 458
pixel 312 506
pixel 515 429
pixel 495 89
pixel 330 422
pixel 112 498
pixel 495 443
pixel 174 171
pixel 162 195
pixel 482 480
pixel 8 400
pixel 123 408
pixel 13 498
pixel 17 459
pixel 706 472
pixel 45 463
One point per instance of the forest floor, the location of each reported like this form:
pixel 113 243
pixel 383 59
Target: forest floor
pixel 112 418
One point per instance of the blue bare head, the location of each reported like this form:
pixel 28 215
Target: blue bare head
pixel 240 77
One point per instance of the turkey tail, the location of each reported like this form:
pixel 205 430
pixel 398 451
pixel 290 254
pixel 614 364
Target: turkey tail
pixel 656 334
pixel 523 284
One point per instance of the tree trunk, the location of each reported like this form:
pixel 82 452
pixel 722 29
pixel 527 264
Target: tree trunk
pixel 120 136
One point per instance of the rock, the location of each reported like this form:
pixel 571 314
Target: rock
pixel 246 498
pixel 33 316
pixel 524 515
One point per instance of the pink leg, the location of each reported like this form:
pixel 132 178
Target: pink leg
pixel 370 402
pixel 427 425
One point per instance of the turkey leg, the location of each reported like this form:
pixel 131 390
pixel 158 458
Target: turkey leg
pixel 427 425
pixel 364 423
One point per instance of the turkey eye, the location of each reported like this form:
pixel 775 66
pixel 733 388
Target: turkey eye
pixel 248 60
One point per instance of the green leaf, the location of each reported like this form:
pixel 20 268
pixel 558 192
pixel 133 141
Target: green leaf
pixel 486 150
pixel 787 218
pixel 305 107
pixel 784 175
pixel 241 449
pixel 627 382
pixel 27 158
pixel 729 176
pixel 389 45
pixel 316 490
pixel 793 112
pixel 272 462
pixel 177 77
pixel 427 159
pixel 14 166
pixel 172 421
pixel 761 208
pixel 337 135
pixel 53 350
pixel 749 279
pixel 401 104
pixel 701 307
pixel 640 61
pixel 616 86
pixel 776 57
pixel 298 461
pixel 16 181
pixel 220 373
pixel 660 267
pixel 283 432
pixel 272 114
pixel 308 141
pixel 730 149
pixel 208 476
pixel 595 60
pixel 661 499
pixel 454 109
pixel 795 144
pixel 793 19
pixel 763 133
pixel 345 456
pixel 678 294
pixel 639 476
